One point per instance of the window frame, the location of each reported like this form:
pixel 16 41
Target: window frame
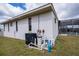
pixel 55 20
pixel 16 25
pixel 8 27
pixel 30 24
pixel 4 27
pixel 11 24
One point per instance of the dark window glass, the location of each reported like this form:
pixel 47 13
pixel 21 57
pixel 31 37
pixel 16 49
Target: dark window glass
pixel 55 20
pixel 8 26
pixel 4 27
pixel 16 26
pixel 11 24
pixel 29 23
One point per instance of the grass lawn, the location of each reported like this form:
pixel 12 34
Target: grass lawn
pixel 65 45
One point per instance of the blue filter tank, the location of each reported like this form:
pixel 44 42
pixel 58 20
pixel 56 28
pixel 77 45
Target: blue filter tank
pixel 49 46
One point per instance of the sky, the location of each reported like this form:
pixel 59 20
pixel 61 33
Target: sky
pixel 64 10
pixel 67 10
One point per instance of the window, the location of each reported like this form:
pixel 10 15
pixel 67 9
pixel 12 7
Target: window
pixel 55 19
pixel 4 27
pixel 16 26
pixel 11 24
pixel 29 23
pixel 8 26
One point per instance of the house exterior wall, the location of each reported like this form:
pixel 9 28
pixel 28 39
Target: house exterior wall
pixel 43 21
pixel 1 33
pixel 22 29
pixel 55 27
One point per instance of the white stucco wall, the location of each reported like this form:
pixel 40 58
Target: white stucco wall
pixel 22 29
pixel 46 22
pixel 55 27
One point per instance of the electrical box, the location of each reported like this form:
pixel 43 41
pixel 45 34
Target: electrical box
pixel 31 38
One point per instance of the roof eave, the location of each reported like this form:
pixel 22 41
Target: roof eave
pixel 36 11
